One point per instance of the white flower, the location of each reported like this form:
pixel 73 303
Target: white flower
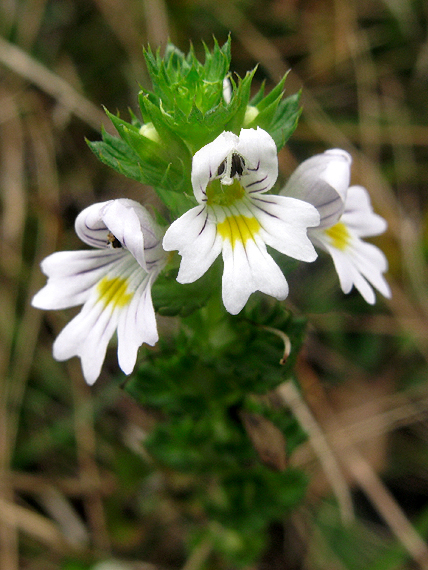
pixel 346 217
pixel 235 217
pixel 113 282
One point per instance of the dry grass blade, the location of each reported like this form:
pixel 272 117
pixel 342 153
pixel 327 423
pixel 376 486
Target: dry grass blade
pixel 72 487
pixel 386 506
pixel 34 524
pixel 362 473
pixel 27 330
pixel 156 15
pixel 18 61
pixel 13 219
pixel 324 452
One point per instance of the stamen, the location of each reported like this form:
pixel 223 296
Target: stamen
pixel 221 168
pixel 113 241
pixel 233 165
pixel 237 166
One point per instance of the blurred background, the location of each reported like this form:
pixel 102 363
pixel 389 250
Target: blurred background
pixel 76 489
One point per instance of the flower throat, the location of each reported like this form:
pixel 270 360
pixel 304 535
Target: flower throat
pixel 227 189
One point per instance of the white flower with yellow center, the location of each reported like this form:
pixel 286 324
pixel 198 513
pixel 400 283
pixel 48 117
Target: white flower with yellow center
pixel 113 282
pixel 236 218
pixel 346 217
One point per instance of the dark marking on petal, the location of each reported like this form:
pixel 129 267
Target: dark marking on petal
pixel 205 224
pixel 332 201
pixel 91 269
pixel 258 190
pixel 266 211
pixel 149 247
pixel 257 181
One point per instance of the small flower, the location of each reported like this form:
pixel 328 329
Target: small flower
pixel 346 217
pixel 235 217
pixel 113 282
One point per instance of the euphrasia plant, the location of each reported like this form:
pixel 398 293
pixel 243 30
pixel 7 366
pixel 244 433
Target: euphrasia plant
pixel 210 151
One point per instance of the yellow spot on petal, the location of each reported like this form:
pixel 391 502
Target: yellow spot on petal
pixel 114 292
pixel 224 194
pixel 339 236
pixel 238 228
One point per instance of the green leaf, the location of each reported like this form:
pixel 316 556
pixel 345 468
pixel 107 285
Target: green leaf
pixel 285 120
pixel 277 92
pixel 259 95
pixel 172 298
pixel 217 62
pixel 239 103
pixel 177 203
pixel 116 153
pixel 254 497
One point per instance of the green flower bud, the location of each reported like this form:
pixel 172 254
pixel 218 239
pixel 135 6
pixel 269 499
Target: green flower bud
pixel 148 130
pixel 250 114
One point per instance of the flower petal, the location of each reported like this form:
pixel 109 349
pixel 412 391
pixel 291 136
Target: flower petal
pixel 91 228
pixel 350 276
pixel 122 221
pixel 284 224
pixel 359 215
pixel 323 181
pixel 137 325
pixel 87 336
pixel 72 275
pixel 125 220
pixel 260 154
pixel 114 297
pixel 249 268
pixel 195 237
pixel 359 264
pixel 371 263
pixel 255 147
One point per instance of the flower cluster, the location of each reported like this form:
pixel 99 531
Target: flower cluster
pixel 235 217
pixel 202 132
